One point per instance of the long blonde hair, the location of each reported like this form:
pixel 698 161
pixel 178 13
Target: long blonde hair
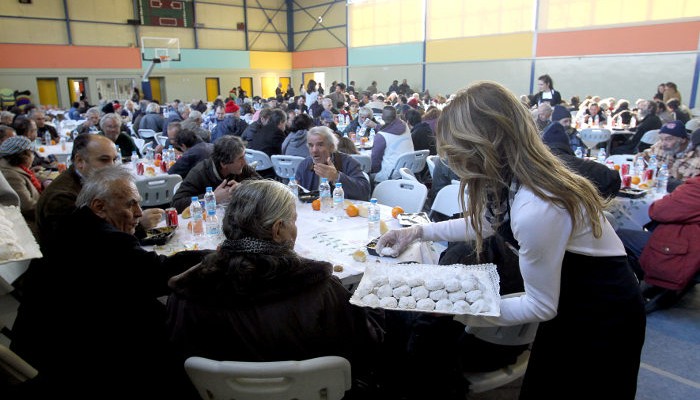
pixel 490 140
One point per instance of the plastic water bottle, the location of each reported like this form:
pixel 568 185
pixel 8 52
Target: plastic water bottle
pixel 209 200
pixel 601 155
pixel 212 224
pixel 579 152
pixel 373 217
pixel 47 138
pixel 371 135
pixel 653 166
pixel 119 153
pixel 338 198
pixel 662 180
pixel 324 192
pixel 293 187
pixel 134 159
pixel 197 228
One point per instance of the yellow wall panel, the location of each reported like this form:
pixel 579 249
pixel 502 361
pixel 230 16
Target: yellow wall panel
pixel 33 31
pixel 480 48
pixel 103 10
pixel 38 8
pixel 87 34
pixel 186 35
pixel 219 39
pixel 378 22
pixel 217 16
pixel 270 60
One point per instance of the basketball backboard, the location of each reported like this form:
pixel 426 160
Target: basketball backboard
pixel 162 49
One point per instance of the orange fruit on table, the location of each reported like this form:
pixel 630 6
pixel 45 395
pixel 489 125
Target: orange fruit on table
pixel 53 142
pixel 41 149
pixel 316 205
pixel 396 211
pixel 352 211
pixel 636 180
pixel 617 167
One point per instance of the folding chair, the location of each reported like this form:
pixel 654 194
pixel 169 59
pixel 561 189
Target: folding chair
pixel 157 190
pixel 262 160
pixel 364 160
pixel 286 166
pixel 413 160
pixel 410 195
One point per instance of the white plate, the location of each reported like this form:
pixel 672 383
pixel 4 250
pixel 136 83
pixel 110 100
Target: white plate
pixel 24 236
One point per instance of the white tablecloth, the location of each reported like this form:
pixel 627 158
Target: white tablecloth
pixel 632 213
pixel 321 238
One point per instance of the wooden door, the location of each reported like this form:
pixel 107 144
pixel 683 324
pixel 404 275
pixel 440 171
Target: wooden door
pixel 156 93
pixel 247 85
pixel 212 85
pixel 48 91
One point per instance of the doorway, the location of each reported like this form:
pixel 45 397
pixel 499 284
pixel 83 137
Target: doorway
pixel 319 77
pixel 77 89
pixel 157 86
pixel 212 85
pixel 48 91
pixel 285 81
pixel 247 85
pixel 269 84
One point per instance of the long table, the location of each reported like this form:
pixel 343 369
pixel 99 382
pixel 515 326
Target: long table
pixel 324 237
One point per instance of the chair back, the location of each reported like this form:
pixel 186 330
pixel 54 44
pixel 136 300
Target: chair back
pixel 413 160
pixel 13 369
pixel 160 139
pixel 157 190
pixel 364 160
pixel 431 160
pixel 447 201
pixel 650 137
pixel 146 133
pixel 410 195
pixel 262 160
pixel 592 136
pixel 317 378
pixel 140 144
pixel 407 174
pixel 286 166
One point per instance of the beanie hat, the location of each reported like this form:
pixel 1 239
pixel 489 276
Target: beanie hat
pixel 556 138
pixel 695 138
pixel 231 107
pixel 14 145
pixel 560 113
pixel 674 128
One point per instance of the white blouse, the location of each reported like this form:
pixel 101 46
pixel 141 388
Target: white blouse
pixel 544 232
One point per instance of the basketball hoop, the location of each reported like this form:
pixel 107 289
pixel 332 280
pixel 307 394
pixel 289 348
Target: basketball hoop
pixel 164 58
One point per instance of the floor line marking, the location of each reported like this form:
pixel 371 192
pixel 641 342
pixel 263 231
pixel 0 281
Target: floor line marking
pixel 669 375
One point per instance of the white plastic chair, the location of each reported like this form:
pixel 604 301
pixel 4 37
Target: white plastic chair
pixel 146 133
pixel 502 335
pixel 286 166
pixel 650 137
pixel 157 190
pixel 592 136
pixel 364 160
pixel 410 195
pixel 407 174
pixel 140 144
pixel 447 201
pixel 431 160
pixel 262 160
pixel 317 378
pixel 413 160
pixel 160 139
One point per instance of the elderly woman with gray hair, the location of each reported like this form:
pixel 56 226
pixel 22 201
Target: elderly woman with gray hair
pixel 255 299
pixel 325 161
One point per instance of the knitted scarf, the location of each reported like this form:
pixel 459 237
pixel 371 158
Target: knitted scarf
pixel 35 181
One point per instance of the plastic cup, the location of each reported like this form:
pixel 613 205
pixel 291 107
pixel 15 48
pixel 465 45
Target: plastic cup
pixel 626 181
pixel 625 169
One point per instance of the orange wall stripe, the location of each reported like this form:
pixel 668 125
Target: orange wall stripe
pixel 320 58
pixel 53 56
pixel 680 36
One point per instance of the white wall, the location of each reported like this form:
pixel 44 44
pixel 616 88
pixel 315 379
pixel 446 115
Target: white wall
pixel 385 75
pixel 446 78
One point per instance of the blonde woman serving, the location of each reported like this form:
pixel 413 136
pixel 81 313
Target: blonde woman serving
pixel 577 280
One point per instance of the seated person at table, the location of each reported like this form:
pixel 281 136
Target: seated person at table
pixel 39 119
pixel 111 128
pixel 673 148
pixel 152 119
pixel 269 139
pixel 667 274
pixel 194 150
pixel 90 153
pixel 91 124
pixel 365 122
pixel 561 116
pixel 84 316
pixel 543 116
pixel 42 166
pixel 326 162
pixel 593 116
pixel 16 158
pixel 222 171
pixel 393 140
pixel 230 123
pixel 606 180
pixel 649 121
pixel 295 143
pixel 255 299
